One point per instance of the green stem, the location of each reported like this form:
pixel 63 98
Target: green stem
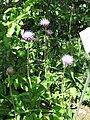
pixel 63 82
pixel 46 56
pixel 69 32
pixel 63 86
pixel 12 97
pixel 28 73
pixel 83 93
pixel 70 22
pixel 69 35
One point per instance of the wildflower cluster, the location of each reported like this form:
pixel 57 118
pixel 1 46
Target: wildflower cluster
pixel 29 35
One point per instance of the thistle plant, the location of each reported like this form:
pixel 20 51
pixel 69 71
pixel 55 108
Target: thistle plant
pixel 9 72
pixel 66 60
pixel 45 22
pixel 27 36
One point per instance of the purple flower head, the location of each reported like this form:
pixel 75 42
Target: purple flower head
pixel 44 22
pixel 67 60
pixel 27 35
pixel 49 32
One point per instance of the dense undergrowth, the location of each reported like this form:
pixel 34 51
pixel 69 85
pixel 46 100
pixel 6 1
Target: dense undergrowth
pixel 33 82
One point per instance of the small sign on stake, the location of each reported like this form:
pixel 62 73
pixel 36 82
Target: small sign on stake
pixel 85 37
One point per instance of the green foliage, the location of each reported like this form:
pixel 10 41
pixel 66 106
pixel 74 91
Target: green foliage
pixel 44 101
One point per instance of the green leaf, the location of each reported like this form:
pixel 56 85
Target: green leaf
pixel 6 41
pixel 15 0
pixel 18 28
pixel 55 117
pixel 2 30
pixel 11 29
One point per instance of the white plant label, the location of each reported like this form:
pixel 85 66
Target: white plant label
pixel 85 37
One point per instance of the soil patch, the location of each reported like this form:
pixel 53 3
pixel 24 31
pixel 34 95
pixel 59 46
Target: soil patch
pixel 84 113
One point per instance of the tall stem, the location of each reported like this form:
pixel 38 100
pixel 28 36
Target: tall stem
pixel 46 56
pixel 70 23
pixel 12 97
pixel 28 72
pixel 69 32
pixel 63 82
pixel 63 86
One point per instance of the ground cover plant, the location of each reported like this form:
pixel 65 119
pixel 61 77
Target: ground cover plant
pixel 43 65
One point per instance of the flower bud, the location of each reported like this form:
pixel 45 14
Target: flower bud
pixel 49 32
pixel 9 70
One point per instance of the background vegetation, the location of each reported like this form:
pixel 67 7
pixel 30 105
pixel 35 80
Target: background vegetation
pixel 42 102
